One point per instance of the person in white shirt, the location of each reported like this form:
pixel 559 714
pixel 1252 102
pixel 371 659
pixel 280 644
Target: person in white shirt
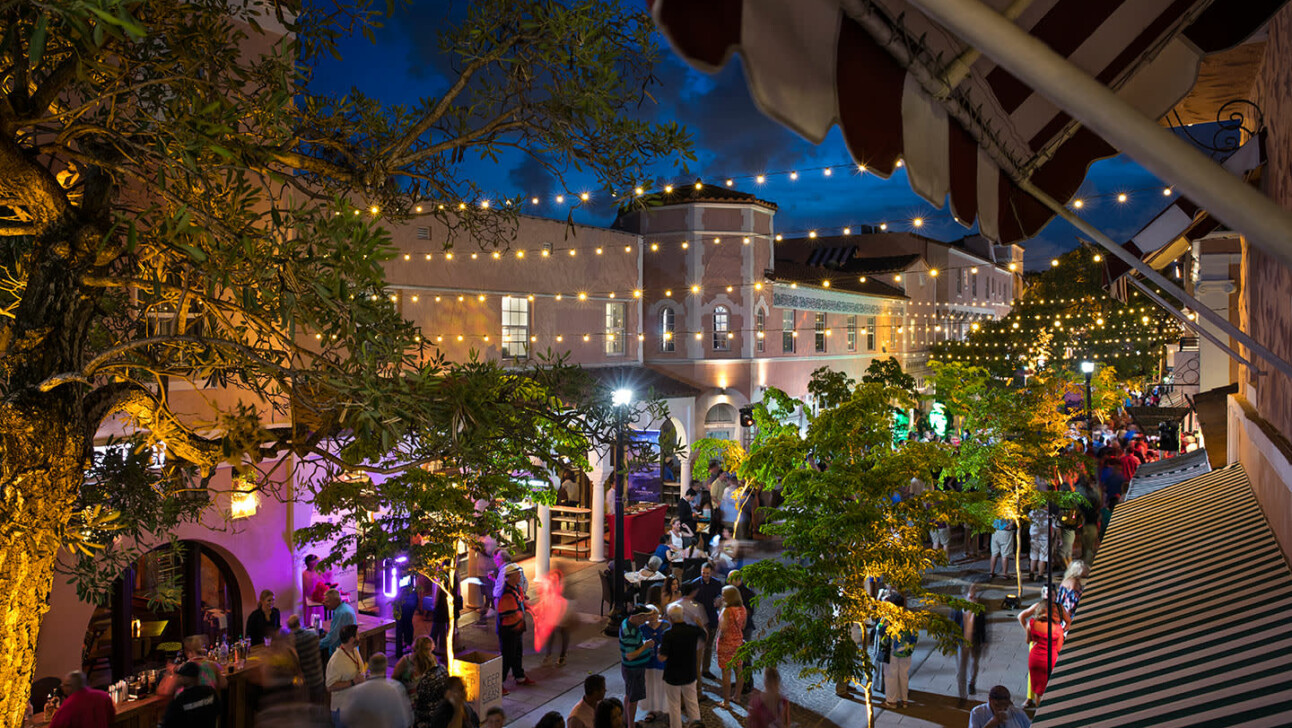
pixel 594 689
pixel 998 712
pixel 377 702
pixel 344 670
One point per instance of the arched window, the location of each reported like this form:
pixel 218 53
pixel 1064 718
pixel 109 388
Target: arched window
pixel 720 422
pixel 667 329
pixel 721 329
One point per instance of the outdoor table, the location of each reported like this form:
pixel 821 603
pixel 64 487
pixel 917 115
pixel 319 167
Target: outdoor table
pixel 638 585
pixel 642 528
pixel 372 633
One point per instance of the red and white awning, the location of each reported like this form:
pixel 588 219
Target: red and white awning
pixel 900 86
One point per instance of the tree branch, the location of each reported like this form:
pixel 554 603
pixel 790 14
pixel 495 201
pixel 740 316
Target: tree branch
pixel 397 148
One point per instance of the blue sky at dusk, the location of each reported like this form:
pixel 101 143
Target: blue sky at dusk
pixel 732 139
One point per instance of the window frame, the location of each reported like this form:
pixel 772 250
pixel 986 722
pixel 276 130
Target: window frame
pixel 852 332
pixel 616 337
pixel 760 331
pixel 788 316
pixel 667 330
pixel 818 332
pixel 871 323
pixel 510 328
pixel 721 328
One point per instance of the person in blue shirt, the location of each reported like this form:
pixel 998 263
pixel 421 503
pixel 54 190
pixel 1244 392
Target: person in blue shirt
pixel 636 653
pixel 342 615
pixel 663 548
pixel 653 630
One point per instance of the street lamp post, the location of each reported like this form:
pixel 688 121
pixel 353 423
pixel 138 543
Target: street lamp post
pixel 621 399
pixel 1088 368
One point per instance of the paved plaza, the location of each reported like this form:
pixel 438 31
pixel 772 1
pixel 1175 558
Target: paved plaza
pixel 934 700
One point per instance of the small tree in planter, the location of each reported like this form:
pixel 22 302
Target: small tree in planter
pixel 841 528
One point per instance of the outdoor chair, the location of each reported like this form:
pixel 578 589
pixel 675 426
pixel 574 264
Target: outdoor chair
pixel 607 591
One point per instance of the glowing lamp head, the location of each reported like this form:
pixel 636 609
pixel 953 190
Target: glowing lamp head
pixel 1087 367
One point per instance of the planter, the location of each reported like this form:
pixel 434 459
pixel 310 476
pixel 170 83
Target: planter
pixel 482 673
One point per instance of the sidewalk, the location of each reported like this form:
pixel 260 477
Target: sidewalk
pixel 934 700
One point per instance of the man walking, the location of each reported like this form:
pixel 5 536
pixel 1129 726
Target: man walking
pixel 973 626
pixel 378 702
pixel 512 607
pixel 635 653
pixel 708 592
pixel 306 642
pixel 679 651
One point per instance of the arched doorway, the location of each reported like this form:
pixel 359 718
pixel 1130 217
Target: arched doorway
pixel 165 596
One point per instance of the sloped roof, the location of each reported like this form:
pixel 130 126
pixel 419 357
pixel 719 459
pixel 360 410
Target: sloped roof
pixel 810 275
pixel 643 380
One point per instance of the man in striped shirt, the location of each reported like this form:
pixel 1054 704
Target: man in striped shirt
pixel 635 652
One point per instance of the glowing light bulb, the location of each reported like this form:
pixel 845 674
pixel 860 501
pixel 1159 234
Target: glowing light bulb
pixel 861 279
pixel 1098 257
pixel 628 248
pixel 847 231
pixel 933 272
pixel 587 337
pixel 758 286
pixel 573 252
pixel 484 204
pixel 745 241
pixel 1166 192
pixel 560 199
pixel 794 175
pixel 918 222
pixel 779 237
pixel 900 164
pixel 585 196
pixel 698 336
pixel 695 289
pixel 654 247
pixel 407 256
pixel 730 182
pixel 760 179
pixel 1078 203
pixel 1054 263
pixel 496 255
pixel 520 254
pixel 828 171
pixel 419 208
pixel 812 234
pixel 638 191
pixel 668 189
pixel 583 296
pixel 533 201
pixel 598 251
pixel 374 209
pixel 730 289
pixel 698 185
pixel 1121 197
pixel 668 293
pixel 883 226
pixel 637 293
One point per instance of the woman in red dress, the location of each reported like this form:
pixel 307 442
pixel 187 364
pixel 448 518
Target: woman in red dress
pixel 731 629
pixel 1045 633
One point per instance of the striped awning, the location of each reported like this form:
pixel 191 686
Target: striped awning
pixel 901 87
pixel 1186 620
pixel 1152 477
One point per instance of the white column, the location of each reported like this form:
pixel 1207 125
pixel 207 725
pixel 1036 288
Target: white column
pixel 598 550
pixel 543 544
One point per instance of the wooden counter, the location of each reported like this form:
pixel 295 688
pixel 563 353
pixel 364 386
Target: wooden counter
pixel 372 633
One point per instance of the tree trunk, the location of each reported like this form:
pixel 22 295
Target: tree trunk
pixel 868 689
pixel 41 471
pixel 1018 557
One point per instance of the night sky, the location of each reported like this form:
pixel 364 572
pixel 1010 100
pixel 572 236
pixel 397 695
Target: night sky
pixel 732 139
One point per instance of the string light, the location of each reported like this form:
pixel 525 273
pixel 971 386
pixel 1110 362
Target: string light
pixel 1121 197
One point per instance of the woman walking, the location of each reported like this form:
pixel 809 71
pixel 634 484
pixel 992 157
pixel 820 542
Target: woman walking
pixel 1045 634
pixel 731 635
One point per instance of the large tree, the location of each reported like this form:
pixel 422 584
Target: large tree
pixel 177 206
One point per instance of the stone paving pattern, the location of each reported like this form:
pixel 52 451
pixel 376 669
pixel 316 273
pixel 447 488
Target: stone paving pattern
pixel 934 700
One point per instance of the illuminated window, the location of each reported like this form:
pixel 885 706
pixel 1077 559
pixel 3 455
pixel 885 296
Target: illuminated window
pixel 787 332
pixel 818 330
pixel 721 329
pixel 616 327
pixel 667 329
pixel 870 333
pixel 760 331
pixel 515 327
pixel 852 333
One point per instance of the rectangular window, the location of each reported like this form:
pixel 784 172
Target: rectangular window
pixel 667 329
pixel 818 329
pixel 787 332
pixel 852 333
pixel 721 329
pixel 423 233
pixel 515 327
pixel 870 333
pixel 616 327
pixel 892 334
pixel 760 332
pixel 975 286
pixel 960 282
